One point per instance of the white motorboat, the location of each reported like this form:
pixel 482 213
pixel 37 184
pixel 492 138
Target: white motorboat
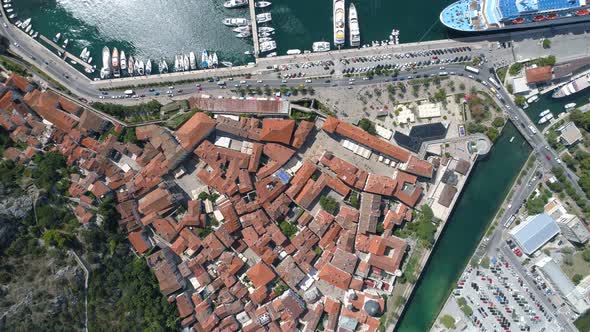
pixel 89 60
pixel 266 29
pixel 293 51
pixel 353 25
pixel 569 106
pixel 339 23
pixel 545 112
pixel 235 3
pixel 271 54
pixel 65 44
pixel 236 21
pixel 265 34
pixel 248 52
pixel 532 99
pixel 12 16
pixel 264 39
pixel 268 46
pixel 245 28
pixel 105 72
pixel 26 23
pixel 320 46
pixel 192 60
pixel 204 59
pixel 28 28
pixel 546 118
pixel 215 60
pixel 57 37
pixel 244 34
pixel 227 63
pixel 262 4
pixel 263 17
pixel 9 10
pixel 163 67
pixel 35 34
pixel 148 67
pixel 123 61
pixel 141 68
pixel 186 62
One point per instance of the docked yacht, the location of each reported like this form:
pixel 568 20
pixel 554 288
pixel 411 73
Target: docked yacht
pixel 235 3
pixel 262 4
pixel 227 63
pixel 353 25
pixel 294 52
pixel 546 118
pixel 85 54
pixel 320 46
pixel 123 61
pixel 263 17
pixel 264 39
pixel 245 28
pixel 163 67
pixel 140 68
pixel 131 66
pixel 65 44
pixel 148 67
pixel 268 46
pixel 271 54
pixel 235 21
pixel 265 34
pixel 26 23
pixel 544 113
pixel 244 34
pixel 204 59
pixel 105 72
pixel 574 86
pixel 339 23
pixel 115 63
pixel 192 60
pixel 28 28
pixel 57 37
pixel 214 60
pixel 186 62
pixel 266 29
pixel 570 106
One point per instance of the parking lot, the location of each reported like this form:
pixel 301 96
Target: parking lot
pixel 501 300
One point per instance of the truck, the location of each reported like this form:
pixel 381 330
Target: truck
pixel 472 70
pixel 129 92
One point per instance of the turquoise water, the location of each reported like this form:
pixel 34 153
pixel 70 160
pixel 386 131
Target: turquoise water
pixel 158 29
pixel 489 183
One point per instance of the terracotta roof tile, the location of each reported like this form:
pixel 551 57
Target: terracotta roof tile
pixel 197 128
pixel 277 130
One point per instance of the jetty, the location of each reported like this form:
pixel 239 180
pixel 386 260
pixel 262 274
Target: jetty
pixel 254 28
pixel 65 53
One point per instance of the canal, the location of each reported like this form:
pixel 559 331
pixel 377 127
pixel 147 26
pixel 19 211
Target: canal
pixel 488 185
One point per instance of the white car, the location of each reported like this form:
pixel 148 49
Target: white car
pixel 259 81
pixel 242 82
pixel 284 81
pixel 307 81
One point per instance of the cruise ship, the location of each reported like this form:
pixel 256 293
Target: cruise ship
pixel 489 15
pixel 573 86
pixel 353 25
pixel 339 23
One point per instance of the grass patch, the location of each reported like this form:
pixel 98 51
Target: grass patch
pixel 177 121
pixel 13 66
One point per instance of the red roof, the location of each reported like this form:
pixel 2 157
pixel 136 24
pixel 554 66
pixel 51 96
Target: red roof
pixel 334 276
pixel 419 167
pixel 539 74
pixel 260 274
pixel 277 130
pixel 197 128
pixel 139 242
pixel 357 134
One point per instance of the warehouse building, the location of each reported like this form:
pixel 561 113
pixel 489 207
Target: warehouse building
pixel 534 232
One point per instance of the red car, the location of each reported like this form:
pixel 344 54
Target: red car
pixel 547 156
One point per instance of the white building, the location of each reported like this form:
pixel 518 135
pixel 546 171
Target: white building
pixel 429 110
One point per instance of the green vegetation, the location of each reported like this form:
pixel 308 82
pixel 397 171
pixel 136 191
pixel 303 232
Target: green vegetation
pixel 498 122
pixel 423 227
pixel 448 321
pixel 143 112
pixel 547 61
pixel 206 196
pixel 515 68
pixel 535 205
pixel 583 322
pixel 409 275
pixel 300 115
pixel 577 278
pixel 546 43
pixel 492 133
pixel 288 228
pixel 464 307
pixel 280 288
pixel 485 262
pixel 12 66
pixel 502 73
pixel 520 100
pixel 329 204
pixel 368 126
pixel 354 199
pixel 177 121
pixel 586 254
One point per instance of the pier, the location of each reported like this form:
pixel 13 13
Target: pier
pixel 254 28
pixel 66 54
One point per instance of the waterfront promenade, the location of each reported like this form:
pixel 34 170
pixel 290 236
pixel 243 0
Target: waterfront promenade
pixel 252 8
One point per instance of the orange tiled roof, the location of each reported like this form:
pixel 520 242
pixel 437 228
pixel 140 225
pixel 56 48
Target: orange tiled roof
pixel 197 128
pixel 334 276
pixel 260 274
pixel 277 130
pixel 539 74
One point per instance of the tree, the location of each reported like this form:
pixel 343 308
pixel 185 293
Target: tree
pixel 510 88
pixel 59 238
pixel 520 100
pixel 586 255
pixel 329 204
pixel 577 278
pixel 288 228
pixel 546 43
pixel 448 321
pixel 492 133
pixel 368 126
pixel 498 122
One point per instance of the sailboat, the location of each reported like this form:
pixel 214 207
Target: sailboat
pixel 148 67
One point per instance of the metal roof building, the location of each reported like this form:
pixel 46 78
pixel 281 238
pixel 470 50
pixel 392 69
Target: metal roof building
pixel 534 232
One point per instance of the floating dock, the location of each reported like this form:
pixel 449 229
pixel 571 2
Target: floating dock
pixel 254 28
pixel 66 54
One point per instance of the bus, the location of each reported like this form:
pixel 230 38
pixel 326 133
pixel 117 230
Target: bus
pixel 472 69
pixel 509 221
pixel 494 82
